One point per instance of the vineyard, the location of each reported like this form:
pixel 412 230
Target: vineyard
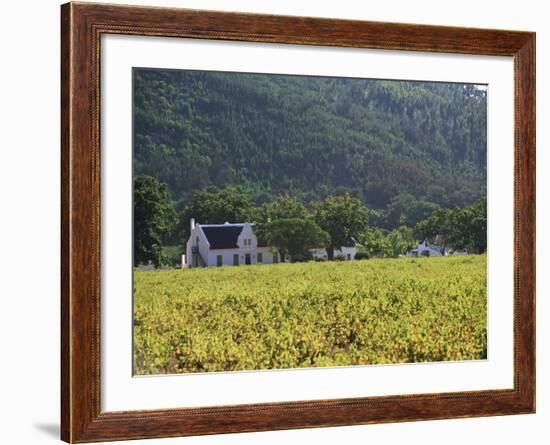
pixel 310 315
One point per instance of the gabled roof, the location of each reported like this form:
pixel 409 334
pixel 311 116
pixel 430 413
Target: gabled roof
pixel 434 247
pixel 428 245
pixel 222 236
pixel 225 236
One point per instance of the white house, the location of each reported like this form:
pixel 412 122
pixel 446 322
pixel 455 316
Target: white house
pixel 348 253
pixel 426 249
pixel 459 252
pixel 236 244
pixel 226 245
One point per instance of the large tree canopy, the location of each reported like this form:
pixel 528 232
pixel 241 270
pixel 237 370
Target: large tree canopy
pixel 294 237
pixel 282 207
pixel 154 218
pixel 344 218
pixel 464 228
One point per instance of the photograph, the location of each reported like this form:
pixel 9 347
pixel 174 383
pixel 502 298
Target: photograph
pixel 286 221
pixel 283 219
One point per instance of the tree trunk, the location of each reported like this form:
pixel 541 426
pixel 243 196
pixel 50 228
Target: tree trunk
pixel 282 255
pixel 330 253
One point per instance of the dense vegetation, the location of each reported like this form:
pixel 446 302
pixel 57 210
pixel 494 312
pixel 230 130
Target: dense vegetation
pixel 406 159
pixel 384 142
pixel 310 314
pixel 155 217
pixel 314 162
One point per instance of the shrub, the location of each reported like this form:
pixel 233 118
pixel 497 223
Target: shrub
pixel 302 258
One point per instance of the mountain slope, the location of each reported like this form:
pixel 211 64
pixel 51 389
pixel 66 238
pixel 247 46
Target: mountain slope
pixel 311 136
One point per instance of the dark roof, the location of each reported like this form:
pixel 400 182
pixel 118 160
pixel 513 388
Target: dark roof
pixel 350 242
pixel 223 236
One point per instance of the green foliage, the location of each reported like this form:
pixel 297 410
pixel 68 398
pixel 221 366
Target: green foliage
pixel 253 147
pixel 438 224
pixel 400 241
pixel 376 243
pixel 344 218
pixel 282 207
pixel 216 206
pixel 173 254
pixel 405 210
pixel 464 228
pixel 154 217
pixel 310 137
pixel 468 227
pixel 294 237
pixel 310 315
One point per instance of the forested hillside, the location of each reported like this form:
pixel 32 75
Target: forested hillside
pixel 403 148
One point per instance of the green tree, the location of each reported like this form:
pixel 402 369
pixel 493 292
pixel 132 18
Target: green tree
pixel 464 228
pixel 400 241
pixel 405 210
pixel 374 243
pixel 294 237
pixel 468 227
pixel 344 218
pixel 439 224
pixel 154 218
pixel 282 207
pixel 478 227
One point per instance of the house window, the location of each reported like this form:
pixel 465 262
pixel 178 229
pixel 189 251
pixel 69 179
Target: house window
pixel 260 257
pixel 219 260
pixel 236 259
pixel 349 256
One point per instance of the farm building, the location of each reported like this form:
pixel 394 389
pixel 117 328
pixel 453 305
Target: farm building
pixel 347 253
pixel 225 245
pixel 234 244
pixel 426 249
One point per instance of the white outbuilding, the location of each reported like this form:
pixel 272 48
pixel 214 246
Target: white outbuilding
pixel 426 249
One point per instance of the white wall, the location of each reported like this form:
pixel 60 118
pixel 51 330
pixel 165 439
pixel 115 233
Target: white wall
pixel 29 180
pixel 344 251
pixel 227 256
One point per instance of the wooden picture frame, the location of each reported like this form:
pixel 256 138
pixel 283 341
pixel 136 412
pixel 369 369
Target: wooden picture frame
pixel 82 25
